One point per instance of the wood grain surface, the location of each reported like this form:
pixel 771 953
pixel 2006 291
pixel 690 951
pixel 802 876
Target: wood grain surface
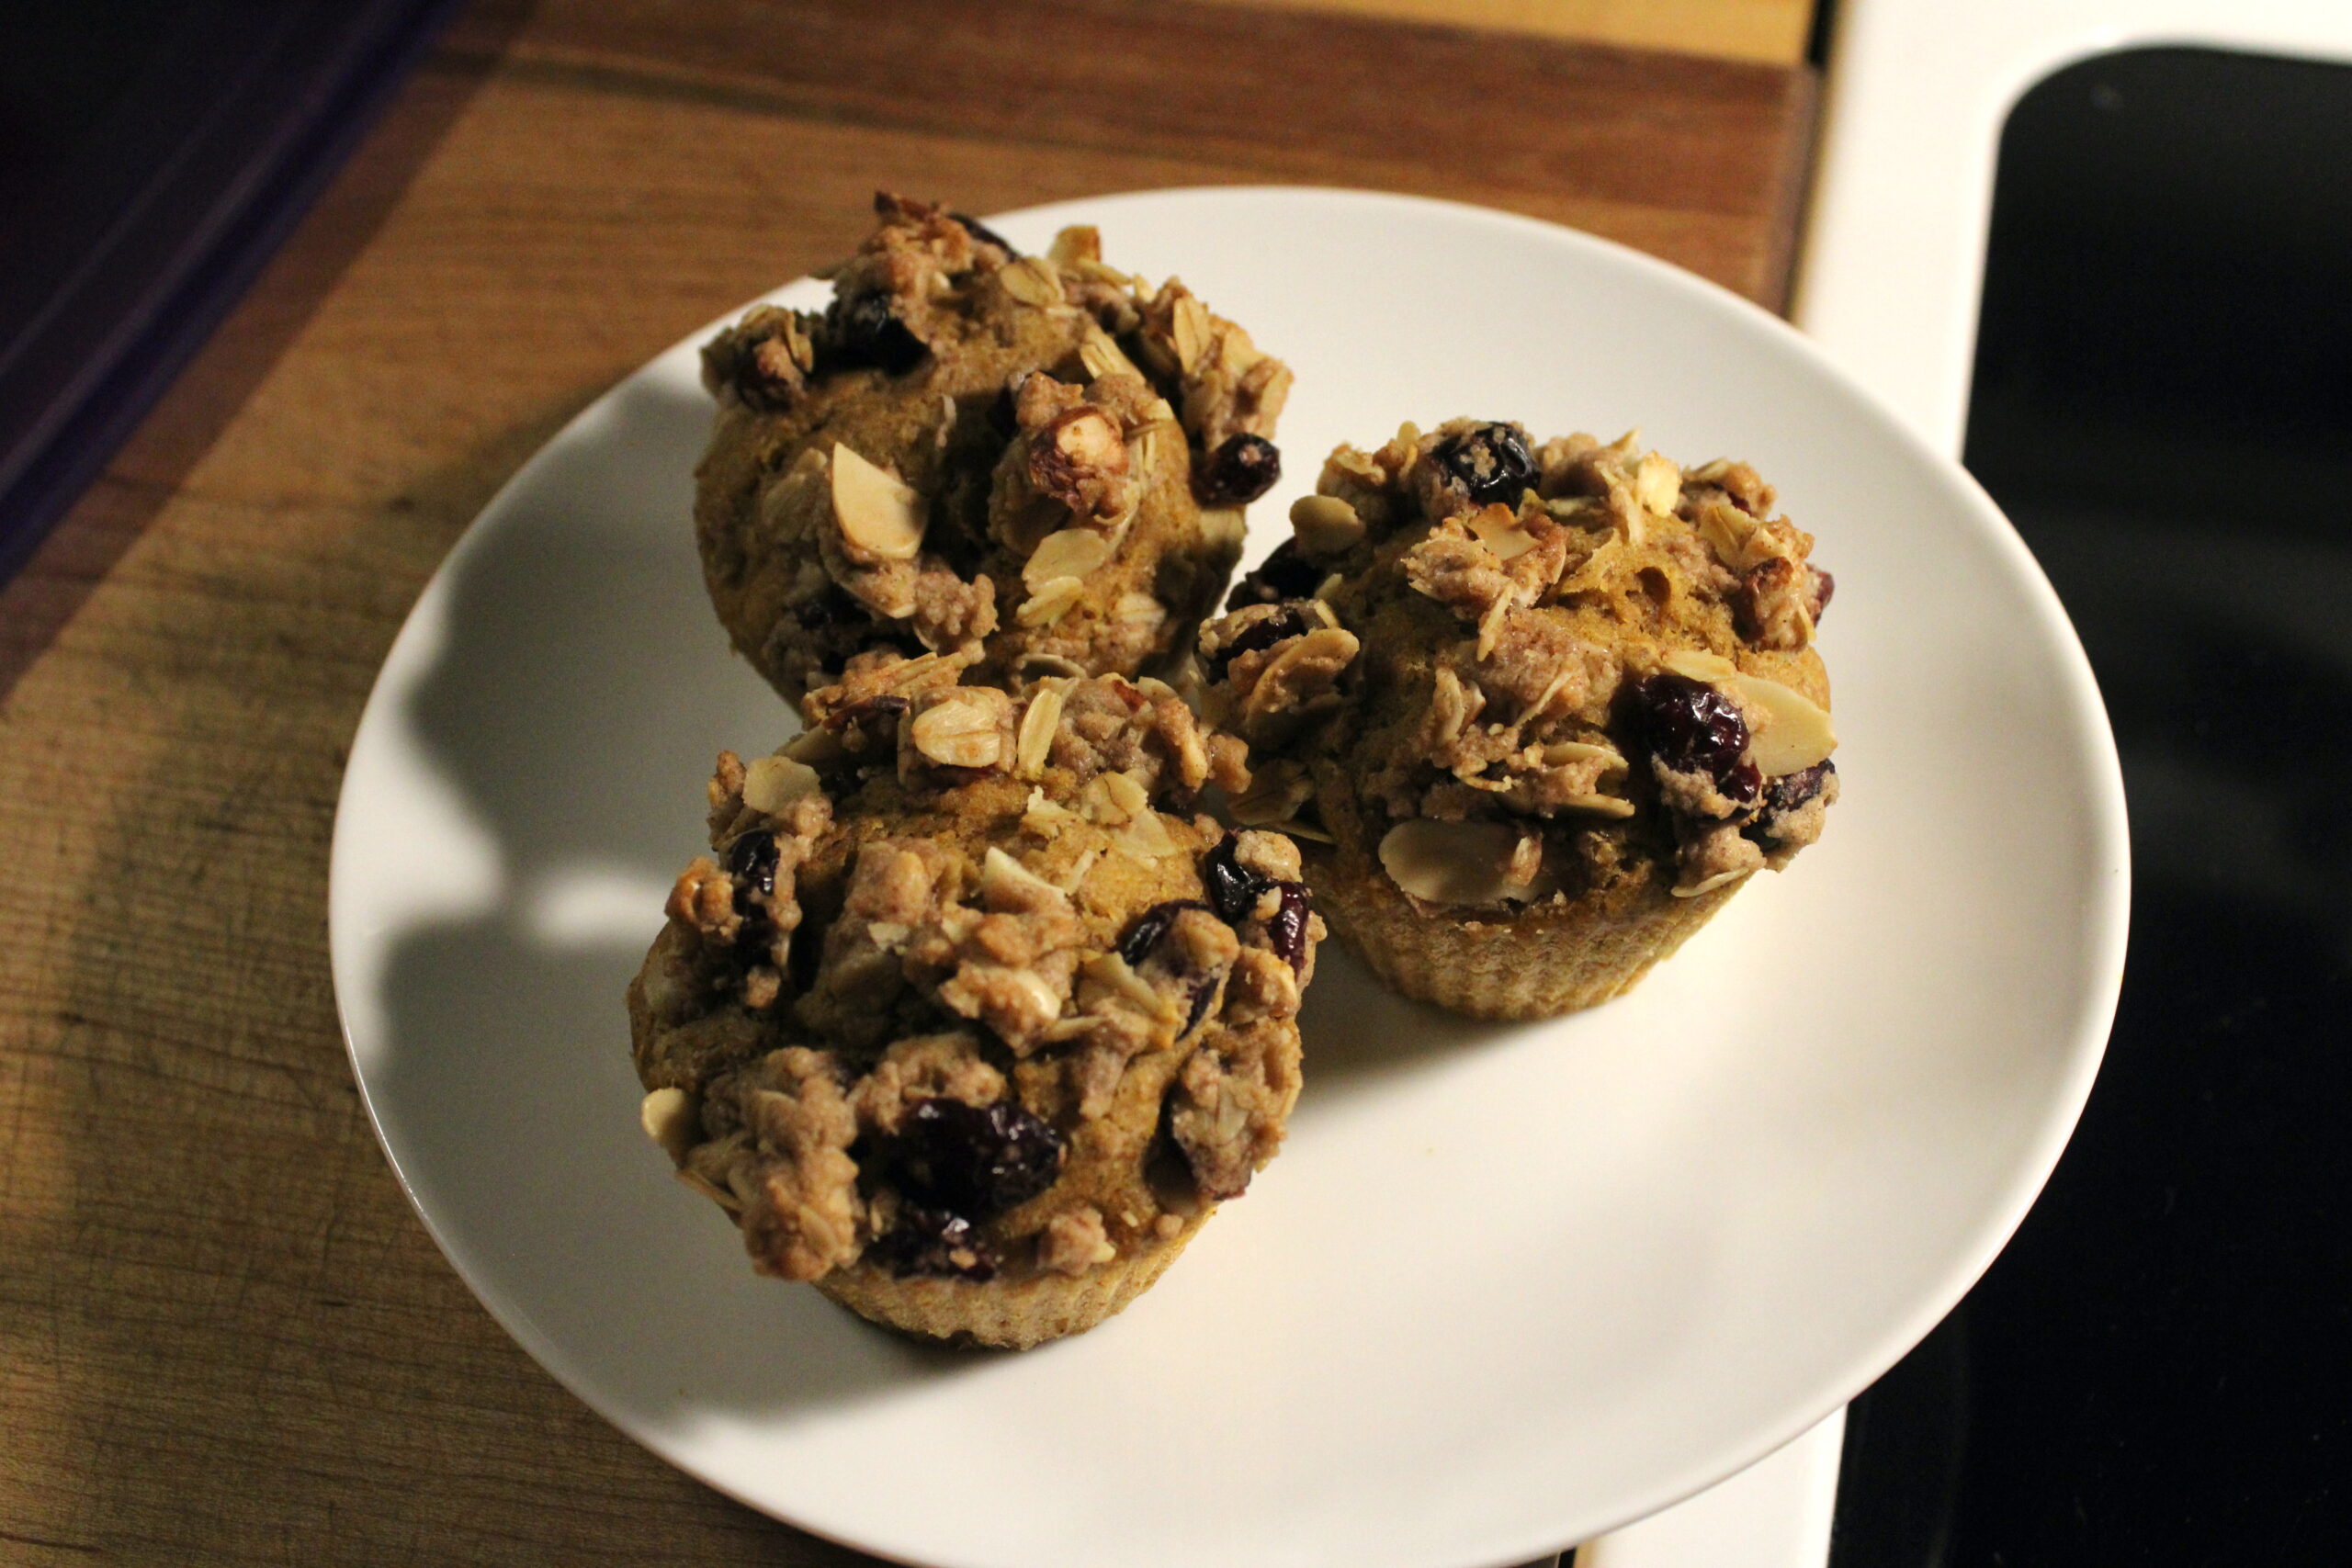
pixel 224 1336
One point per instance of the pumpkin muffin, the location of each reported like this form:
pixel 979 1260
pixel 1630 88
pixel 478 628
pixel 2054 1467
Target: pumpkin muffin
pixel 1538 711
pixel 968 1020
pixel 1040 458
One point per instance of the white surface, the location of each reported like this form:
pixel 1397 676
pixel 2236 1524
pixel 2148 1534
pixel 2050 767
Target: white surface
pixel 1777 1511
pixel 1506 1287
pixel 1918 91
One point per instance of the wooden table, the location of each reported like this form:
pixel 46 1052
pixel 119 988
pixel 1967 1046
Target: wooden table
pixel 224 1337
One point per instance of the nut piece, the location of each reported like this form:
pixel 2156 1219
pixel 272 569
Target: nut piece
pixel 958 733
pixel 1793 735
pixel 771 783
pixel 1697 666
pixel 1037 726
pixel 1324 524
pixel 1456 862
pixel 668 1117
pixel 1073 552
pixel 880 518
pixel 1657 485
pixel 1032 281
pixel 1500 532
pixel 1050 601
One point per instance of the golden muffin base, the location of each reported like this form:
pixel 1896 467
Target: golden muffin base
pixel 1005 1314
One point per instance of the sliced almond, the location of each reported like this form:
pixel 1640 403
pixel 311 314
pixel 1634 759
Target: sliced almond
pixel 668 1117
pixel 880 518
pixel 1698 666
pixel 1454 862
pixel 1127 794
pixel 1005 881
pixel 1043 716
pixel 1598 805
pixel 1795 731
pixel 1073 552
pixel 1033 666
pixel 1114 975
pixel 1078 242
pixel 1050 601
pixel 1031 280
pixel 958 733
pixel 1721 879
pixel 1559 753
pixel 1138 609
pixel 1190 329
pixel 1499 531
pixel 1324 524
pixel 1657 485
pixel 1146 837
pixel 814 746
pixel 771 783
pixel 1044 817
pixel 1102 357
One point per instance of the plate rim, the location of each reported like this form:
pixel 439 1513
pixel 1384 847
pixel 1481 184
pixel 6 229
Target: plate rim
pixel 2104 918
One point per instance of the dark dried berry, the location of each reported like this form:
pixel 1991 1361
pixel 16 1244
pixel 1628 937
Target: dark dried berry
pixel 1242 468
pixel 973 1160
pixel 984 234
pixel 1234 888
pixel 1741 783
pixel 1693 729
pixel 1288 928
pixel 750 860
pixel 1151 926
pixel 1824 585
pixel 1792 791
pixel 935 1242
pixel 1204 993
pixel 1491 461
pixel 862 330
pixel 1290 622
pixel 1286 574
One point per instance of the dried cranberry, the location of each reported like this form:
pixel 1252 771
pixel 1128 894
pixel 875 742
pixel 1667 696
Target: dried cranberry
pixel 1234 888
pixel 750 860
pixel 1151 926
pixel 1288 928
pixel 1286 574
pixel 934 1241
pixel 984 234
pixel 862 330
pixel 1792 791
pixel 1693 729
pixel 1824 585
pixel 1740 783
pixel 1291 621
pixel 974 1160
pixel 1492 462
pixel 1242 468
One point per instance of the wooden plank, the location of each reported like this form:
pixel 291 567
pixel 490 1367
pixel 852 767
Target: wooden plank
pixel 1768 32
pixel 224 1336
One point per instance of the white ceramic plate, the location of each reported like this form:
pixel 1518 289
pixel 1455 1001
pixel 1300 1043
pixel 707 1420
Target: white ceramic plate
pixel 1507 1286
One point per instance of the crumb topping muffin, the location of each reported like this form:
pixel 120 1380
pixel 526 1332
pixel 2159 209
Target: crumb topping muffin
pixel 969 1018
pixel 1538 710
pixel 1040 458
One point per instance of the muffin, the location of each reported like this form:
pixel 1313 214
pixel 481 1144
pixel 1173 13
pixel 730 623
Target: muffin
pixel 968 1019
pixel 1537 712
pixel 1038 458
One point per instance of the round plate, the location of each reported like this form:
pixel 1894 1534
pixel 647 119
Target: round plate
pixel 1506 1287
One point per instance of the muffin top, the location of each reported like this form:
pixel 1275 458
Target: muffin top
pixel 1039 458
pixel 967 989
pixel 1521 673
